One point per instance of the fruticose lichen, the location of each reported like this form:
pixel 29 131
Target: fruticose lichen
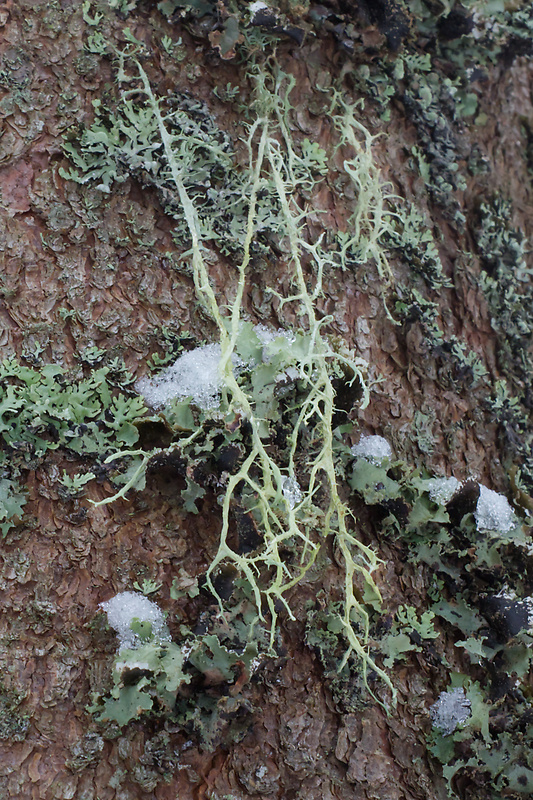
pixel 179 150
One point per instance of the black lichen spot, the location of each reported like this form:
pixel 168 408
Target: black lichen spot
pixel 398 508
pixel 506 616
pixel 392 19
pixel 516 47
pixel 458 23
pixel 131 677
pixel 223 582
pixel 268 19
pixel 347 395
pixel 169 465
pixel 154 434
pixel 248 534
pixel 463 502
pixel 228 457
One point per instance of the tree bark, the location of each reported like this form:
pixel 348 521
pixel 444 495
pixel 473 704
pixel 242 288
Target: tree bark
pixel 447 95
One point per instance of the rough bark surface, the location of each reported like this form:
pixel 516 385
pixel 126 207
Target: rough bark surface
pixel 82 268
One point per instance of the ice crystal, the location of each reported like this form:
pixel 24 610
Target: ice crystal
pixel 267 335
pixel 126 607
pixel 195 374
pixel 493 512
pixel 372 448
pixel 257 6
pixel 450 710
pixel 442 489
pixel 291 491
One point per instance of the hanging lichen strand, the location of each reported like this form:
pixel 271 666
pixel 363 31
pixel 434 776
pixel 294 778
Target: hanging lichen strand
pixel 293 498
pixel 267 152
pixel 271 151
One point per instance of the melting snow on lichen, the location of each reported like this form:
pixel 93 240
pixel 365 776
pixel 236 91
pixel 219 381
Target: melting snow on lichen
pixel 451 709
pixel 195 374
pixel 267 335
pixel 125 607
pixel 291 491
pixel 373 448
pixel 493 512
pixel 442 489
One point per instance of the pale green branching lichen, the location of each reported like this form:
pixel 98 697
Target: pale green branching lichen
pixel 267 152
pixel 278 176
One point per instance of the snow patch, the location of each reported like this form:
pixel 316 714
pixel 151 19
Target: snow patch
pixel 441 490
pixel 125 607
pixel 257 6
pixel 195 374
pixel 372 448
pixel 493 512
pixel 450 710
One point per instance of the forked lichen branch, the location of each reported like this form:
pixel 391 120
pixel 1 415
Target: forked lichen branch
pixel 273 158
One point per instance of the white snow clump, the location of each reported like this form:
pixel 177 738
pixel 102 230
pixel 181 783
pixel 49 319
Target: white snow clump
pixel 291 491
pixel 195 374
pixel 257 6
pixel 451 709
pixel 122 609
pixel 372 448
pixel 442 489
pixel 493 512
